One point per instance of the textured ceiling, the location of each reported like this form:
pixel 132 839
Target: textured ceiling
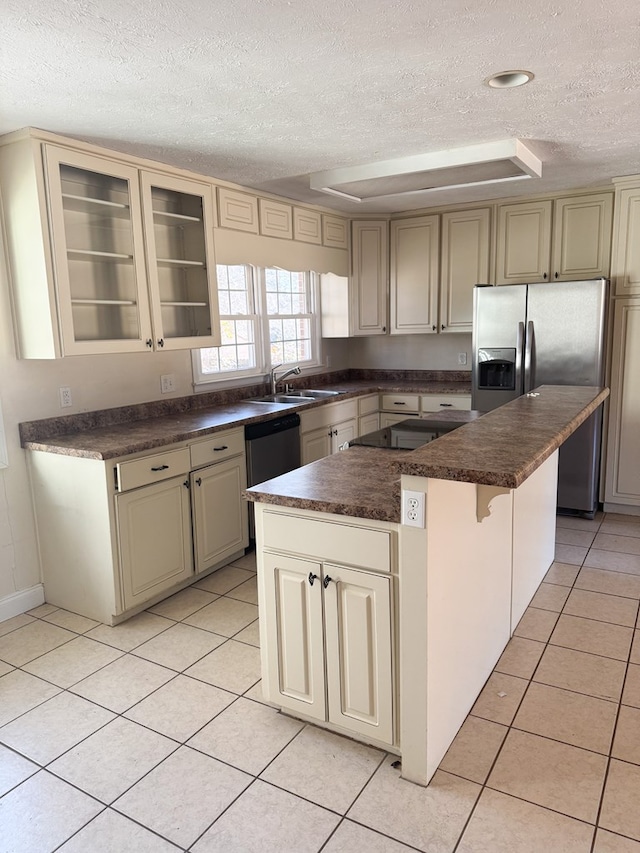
pixel 263 92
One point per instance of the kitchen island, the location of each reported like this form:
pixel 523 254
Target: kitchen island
pixel 387 631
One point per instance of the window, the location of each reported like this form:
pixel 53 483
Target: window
pixel 267 317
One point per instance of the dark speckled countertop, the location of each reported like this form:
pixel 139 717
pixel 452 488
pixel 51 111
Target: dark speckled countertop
pixel 501 448
pixel 112 433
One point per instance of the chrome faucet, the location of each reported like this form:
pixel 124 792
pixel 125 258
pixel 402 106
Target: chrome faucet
pixel 275 379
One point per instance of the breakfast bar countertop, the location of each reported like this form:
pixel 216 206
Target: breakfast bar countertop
pixel 502 448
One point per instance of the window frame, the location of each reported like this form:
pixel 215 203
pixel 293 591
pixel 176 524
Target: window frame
pixel 228 378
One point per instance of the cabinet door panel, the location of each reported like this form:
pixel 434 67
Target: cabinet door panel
pixel 178 223
pixel 369 277
pixel 154 533
pixel 623 459
pixel 220 514
pixel 368 423
pixel 315 445
pixel 293 662
pixel 96 228
pixel 343 433
pixel 465 263
pixel 524 242
pixel 358 640
pixel 626 255
pixel 414 275
pixel 582 237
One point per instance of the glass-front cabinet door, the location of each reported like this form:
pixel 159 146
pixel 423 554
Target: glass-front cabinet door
pixel 98 251
pixel 178 223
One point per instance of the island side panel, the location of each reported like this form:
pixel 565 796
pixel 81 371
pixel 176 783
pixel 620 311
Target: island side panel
pixel 466 605
pixel 534 533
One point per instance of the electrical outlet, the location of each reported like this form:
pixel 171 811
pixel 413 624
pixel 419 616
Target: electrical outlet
pixel 65 396
pixel 413 508
pixel 167 383
pixel 462 358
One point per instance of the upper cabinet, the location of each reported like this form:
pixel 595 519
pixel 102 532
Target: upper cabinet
pixel 414 275
pixel 562 239
pixel 105 257
pixel 178 221
pixel 464 262
pixel 369 277
pixel 625 265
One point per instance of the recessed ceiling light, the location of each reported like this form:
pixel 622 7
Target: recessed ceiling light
pixel 509 79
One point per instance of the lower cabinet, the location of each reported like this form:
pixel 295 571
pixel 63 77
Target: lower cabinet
pixel 154 531
pixel 219 514
pixel 324 430
pixel 330 642
pixel 118 535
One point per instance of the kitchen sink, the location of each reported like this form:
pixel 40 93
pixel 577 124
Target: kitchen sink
pixel 316 395
pixel 296 398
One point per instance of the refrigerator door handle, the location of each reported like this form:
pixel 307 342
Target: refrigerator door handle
pixel 519 351
pixel 528 358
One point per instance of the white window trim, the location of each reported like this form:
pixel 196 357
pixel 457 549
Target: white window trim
pixel 209 382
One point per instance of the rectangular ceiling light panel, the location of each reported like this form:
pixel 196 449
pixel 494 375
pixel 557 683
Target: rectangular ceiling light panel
pixel 491 162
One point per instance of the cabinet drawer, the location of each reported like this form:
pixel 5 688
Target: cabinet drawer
pixel 217 447
pixel 356 546
pixel 333 413
pixel 435 402
pixel 400 402
pixel 152 469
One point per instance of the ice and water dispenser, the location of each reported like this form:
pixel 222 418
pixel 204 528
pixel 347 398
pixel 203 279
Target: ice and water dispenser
pixel 496 369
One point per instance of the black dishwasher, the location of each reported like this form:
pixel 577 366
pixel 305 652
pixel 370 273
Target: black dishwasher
pixel 273 448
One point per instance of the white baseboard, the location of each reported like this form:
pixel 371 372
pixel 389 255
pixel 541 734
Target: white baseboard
pixel 20 602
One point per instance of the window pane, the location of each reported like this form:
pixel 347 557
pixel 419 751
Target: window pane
pixel 237 303
pixel 235 295
pixel 284 304
pixel 223 302
pixel 277 354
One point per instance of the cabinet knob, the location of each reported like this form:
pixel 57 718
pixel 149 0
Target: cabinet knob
pixel 384 328
pixel 312 577
pixel 327 580
pixel 557 275
pixel 199 481
pixel 186 484
pixel 544 276
pixel 442 326
pixel 161 340
pixel 149 343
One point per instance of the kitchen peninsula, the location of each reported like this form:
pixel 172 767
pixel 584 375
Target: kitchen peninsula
pixel 387 632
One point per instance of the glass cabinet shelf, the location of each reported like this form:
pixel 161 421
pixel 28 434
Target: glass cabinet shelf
pixel 180 262
pixel 184 304
pixel 177 216
pixel 88 254
pixel 102 302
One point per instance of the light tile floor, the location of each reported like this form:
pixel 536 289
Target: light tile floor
pixel 153 736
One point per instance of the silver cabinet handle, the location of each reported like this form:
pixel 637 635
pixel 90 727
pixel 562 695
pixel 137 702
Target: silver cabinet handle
pixel 528 358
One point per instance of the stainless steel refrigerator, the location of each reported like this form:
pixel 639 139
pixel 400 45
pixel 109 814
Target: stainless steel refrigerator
pixel 548 333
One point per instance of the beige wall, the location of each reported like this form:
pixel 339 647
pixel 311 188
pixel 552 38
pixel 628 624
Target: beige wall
pixel 410 352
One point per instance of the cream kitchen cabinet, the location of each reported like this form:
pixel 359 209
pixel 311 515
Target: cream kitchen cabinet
pixel 464 262
pixel 325 429
pixel 625 263
pixel 154 535
pixel 622 488
pixel 369 277
pixel 368 416
pixel 327 627
pixel 105 257
pixel 220 525
pixel 560 239
pixel 118 535
pixel 414 275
